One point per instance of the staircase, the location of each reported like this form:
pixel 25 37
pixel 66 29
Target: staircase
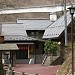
pixel 44 58
pixel 48 60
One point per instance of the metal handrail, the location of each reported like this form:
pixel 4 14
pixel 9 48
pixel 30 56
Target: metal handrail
pixel 45 57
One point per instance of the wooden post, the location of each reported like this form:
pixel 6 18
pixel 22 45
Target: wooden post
pixel 14 59
pixel 28 52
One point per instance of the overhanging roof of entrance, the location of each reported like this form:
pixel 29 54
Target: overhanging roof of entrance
pixel 57 27
pixel 8 47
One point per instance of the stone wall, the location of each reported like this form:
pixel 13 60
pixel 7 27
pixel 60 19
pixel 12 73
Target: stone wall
pixel 29 3
pixel 66 67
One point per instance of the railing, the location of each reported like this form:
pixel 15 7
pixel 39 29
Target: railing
pixel 44 58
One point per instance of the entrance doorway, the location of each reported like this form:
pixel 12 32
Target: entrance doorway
pixel 22 54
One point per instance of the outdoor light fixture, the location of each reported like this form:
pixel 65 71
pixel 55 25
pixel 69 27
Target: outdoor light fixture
pixel 72 10
pixel 72 29
pixel 59 43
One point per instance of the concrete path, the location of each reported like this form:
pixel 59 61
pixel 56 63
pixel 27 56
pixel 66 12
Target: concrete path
pixel 36 68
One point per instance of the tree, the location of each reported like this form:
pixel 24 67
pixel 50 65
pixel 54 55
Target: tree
pixel 51 48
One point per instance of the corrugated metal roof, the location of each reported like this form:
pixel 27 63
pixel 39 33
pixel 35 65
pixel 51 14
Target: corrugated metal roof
pixel 57 27
pixel 17 37
pixel 35 24
pixel 13 29
pixel 8 47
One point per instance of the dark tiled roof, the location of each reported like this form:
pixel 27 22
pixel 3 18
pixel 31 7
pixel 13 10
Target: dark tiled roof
pixel 35 24
pixel 13 29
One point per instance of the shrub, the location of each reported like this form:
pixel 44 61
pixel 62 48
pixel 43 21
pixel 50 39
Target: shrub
pixel 51 47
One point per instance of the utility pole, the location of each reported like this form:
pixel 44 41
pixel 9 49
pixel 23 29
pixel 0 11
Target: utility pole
pixel 65 21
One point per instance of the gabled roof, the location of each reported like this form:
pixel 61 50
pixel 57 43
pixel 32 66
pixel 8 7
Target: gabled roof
pixel 57 27
pixel 32 24
pixel 13 29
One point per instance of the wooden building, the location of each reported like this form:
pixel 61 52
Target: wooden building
pixel 30 35
pixel 27 34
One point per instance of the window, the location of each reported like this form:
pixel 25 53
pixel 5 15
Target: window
pixel 32 33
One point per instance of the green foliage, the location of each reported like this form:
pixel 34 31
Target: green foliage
pixel 51 47
pixel 2 71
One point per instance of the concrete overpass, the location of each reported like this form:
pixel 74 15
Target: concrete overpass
pixel 33 9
